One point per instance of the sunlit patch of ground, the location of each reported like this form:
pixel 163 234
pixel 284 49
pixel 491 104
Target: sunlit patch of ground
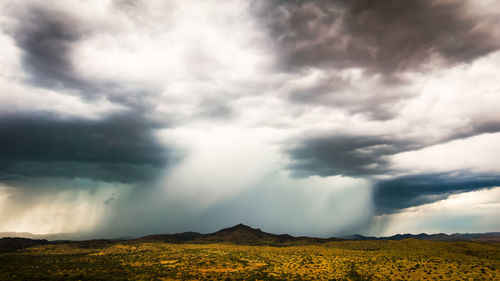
pixel 340 260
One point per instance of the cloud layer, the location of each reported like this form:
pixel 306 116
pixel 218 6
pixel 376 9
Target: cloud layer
pixel 382 37
pixel 308 117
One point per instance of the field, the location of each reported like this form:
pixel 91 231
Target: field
pixel 340 260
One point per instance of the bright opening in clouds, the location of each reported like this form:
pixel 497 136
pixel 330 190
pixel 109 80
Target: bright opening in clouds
pixel 129 117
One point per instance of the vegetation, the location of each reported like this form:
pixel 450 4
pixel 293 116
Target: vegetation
pixel 337 260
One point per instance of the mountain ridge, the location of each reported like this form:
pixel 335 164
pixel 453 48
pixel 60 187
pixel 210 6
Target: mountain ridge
pixel 237 234
pixel 487 236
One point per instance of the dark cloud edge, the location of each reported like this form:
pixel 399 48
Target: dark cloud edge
pixel 364 157
pixel 119 148
pixel 392 195
pixel 383 37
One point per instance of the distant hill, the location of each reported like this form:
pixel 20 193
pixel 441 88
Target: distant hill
pixel 238 234
pixel 490 236
pixel 10 244
pixel 243 234
pixel 487 238
pixel 171 238
pixel 50 237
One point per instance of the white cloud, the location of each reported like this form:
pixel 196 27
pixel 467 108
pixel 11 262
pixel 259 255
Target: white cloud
pixel 225 159
pixel 187 53
pixel 71 208
pixel 476 211
pixel 23 99
pixel 452 101
pixel 477 154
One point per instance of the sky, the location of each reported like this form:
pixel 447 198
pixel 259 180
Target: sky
pixel 125 118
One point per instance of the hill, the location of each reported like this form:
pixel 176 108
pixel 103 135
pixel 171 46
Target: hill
pixel 11 244
pixel 171 238
pixel 485 237
pixel 238 234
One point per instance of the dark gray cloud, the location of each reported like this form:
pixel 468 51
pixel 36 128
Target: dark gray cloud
pixel 361 155
pixel 490 124
pixel 344 155
pixel 120 148
pixel 336 91
pixel 383 38
pixel 366 156
pixel 126 4
pixel 215 109
pixel 46 37
pixel 403 192
pixel 380 36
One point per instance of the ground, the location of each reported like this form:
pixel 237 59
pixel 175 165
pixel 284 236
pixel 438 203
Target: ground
pixel 340 260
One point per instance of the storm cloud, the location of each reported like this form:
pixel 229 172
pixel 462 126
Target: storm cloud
pixel 120 148
pixel 379 36
pixel 409 191
pixel 46 37
pixel 306 117
pixel 344 155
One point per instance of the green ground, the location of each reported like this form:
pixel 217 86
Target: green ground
pixel 343 260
